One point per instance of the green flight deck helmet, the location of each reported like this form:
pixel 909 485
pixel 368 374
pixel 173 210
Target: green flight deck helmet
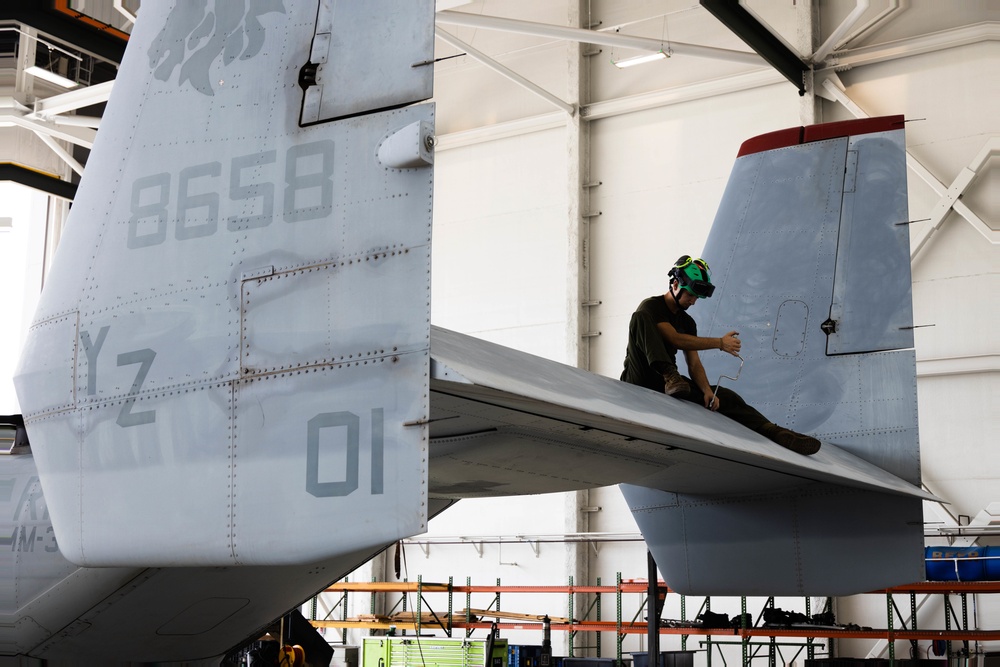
pixel 693 275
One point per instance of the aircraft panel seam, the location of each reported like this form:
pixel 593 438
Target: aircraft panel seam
pixel 76 361
pixel 48 413
pixel 53 318
pixel 231 428
pixel 220 381
pixel 216 383
pixel 160 392
pixel 394 250
pixel 80 422
pixel 321 365
pixel 868 431
pixel 156 297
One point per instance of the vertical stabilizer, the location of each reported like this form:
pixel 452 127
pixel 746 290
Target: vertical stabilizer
pixel 810 255
pixel 229 362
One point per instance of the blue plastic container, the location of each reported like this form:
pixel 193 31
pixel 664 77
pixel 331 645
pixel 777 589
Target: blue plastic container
pixel 962 564
pixel 992 564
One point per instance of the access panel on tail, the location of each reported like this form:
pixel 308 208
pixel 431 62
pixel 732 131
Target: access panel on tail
pixel 810 255
pixel 237 319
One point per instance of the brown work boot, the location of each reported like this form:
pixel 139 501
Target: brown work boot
pixel 789 439
pixel 675 385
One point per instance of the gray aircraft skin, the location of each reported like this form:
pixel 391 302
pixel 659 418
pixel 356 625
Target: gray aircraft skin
pixel 232 358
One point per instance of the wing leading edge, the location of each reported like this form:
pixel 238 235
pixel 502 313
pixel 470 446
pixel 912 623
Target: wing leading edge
pixel 505 422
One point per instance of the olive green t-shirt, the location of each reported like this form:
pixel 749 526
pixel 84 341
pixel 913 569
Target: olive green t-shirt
pixel 649 355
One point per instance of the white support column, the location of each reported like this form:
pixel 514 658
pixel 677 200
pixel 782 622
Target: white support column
pixel 577 225
pixel 577 563
pixel 806 36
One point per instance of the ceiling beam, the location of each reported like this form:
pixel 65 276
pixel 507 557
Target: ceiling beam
pixel 74 99
pixel 37 180
pixel 503 70
pixel 81 136
pixel 732 15
pixel 594 37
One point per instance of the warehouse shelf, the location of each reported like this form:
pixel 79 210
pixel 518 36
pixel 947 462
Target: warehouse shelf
pixel 468 620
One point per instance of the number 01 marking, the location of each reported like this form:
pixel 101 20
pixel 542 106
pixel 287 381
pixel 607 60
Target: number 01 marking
pixel 349 484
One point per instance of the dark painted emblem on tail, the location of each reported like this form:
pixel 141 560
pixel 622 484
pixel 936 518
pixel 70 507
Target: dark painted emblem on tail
pixel 198 32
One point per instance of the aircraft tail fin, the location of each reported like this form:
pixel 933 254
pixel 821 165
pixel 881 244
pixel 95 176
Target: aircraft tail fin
pixel 810 256
pixel 231 352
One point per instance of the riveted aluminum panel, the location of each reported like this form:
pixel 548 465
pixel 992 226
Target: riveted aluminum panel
pixel 797 541
pixel 181 460
pixel 872 305
pixel 354 471
pixel 29 555
pixel 775 248
pixel 47 367
pixel 205 184
pixel 324 314
pixel 62 487
pixel 391 67
pixel 805 238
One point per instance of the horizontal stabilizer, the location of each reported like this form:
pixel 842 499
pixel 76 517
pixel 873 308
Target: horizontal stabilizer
pixel 504 422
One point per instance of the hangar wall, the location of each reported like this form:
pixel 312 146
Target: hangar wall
pixel 661 139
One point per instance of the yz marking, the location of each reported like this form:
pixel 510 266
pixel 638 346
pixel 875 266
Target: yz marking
pixel 92 350
pixel 145 358
pixel 349 484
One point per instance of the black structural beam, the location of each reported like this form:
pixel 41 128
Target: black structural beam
pixel 653 610
pixel 43 15
pixel 760 39
pixel 33 179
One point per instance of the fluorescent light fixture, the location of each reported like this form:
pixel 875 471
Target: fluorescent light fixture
pixel 638 60
pixel 51 77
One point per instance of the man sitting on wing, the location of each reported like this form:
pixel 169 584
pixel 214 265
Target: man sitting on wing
pixel 661 326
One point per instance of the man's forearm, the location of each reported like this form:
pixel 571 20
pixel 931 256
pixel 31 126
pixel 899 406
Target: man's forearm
pixel 697 371
pixel 689 343
pixel 700 378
